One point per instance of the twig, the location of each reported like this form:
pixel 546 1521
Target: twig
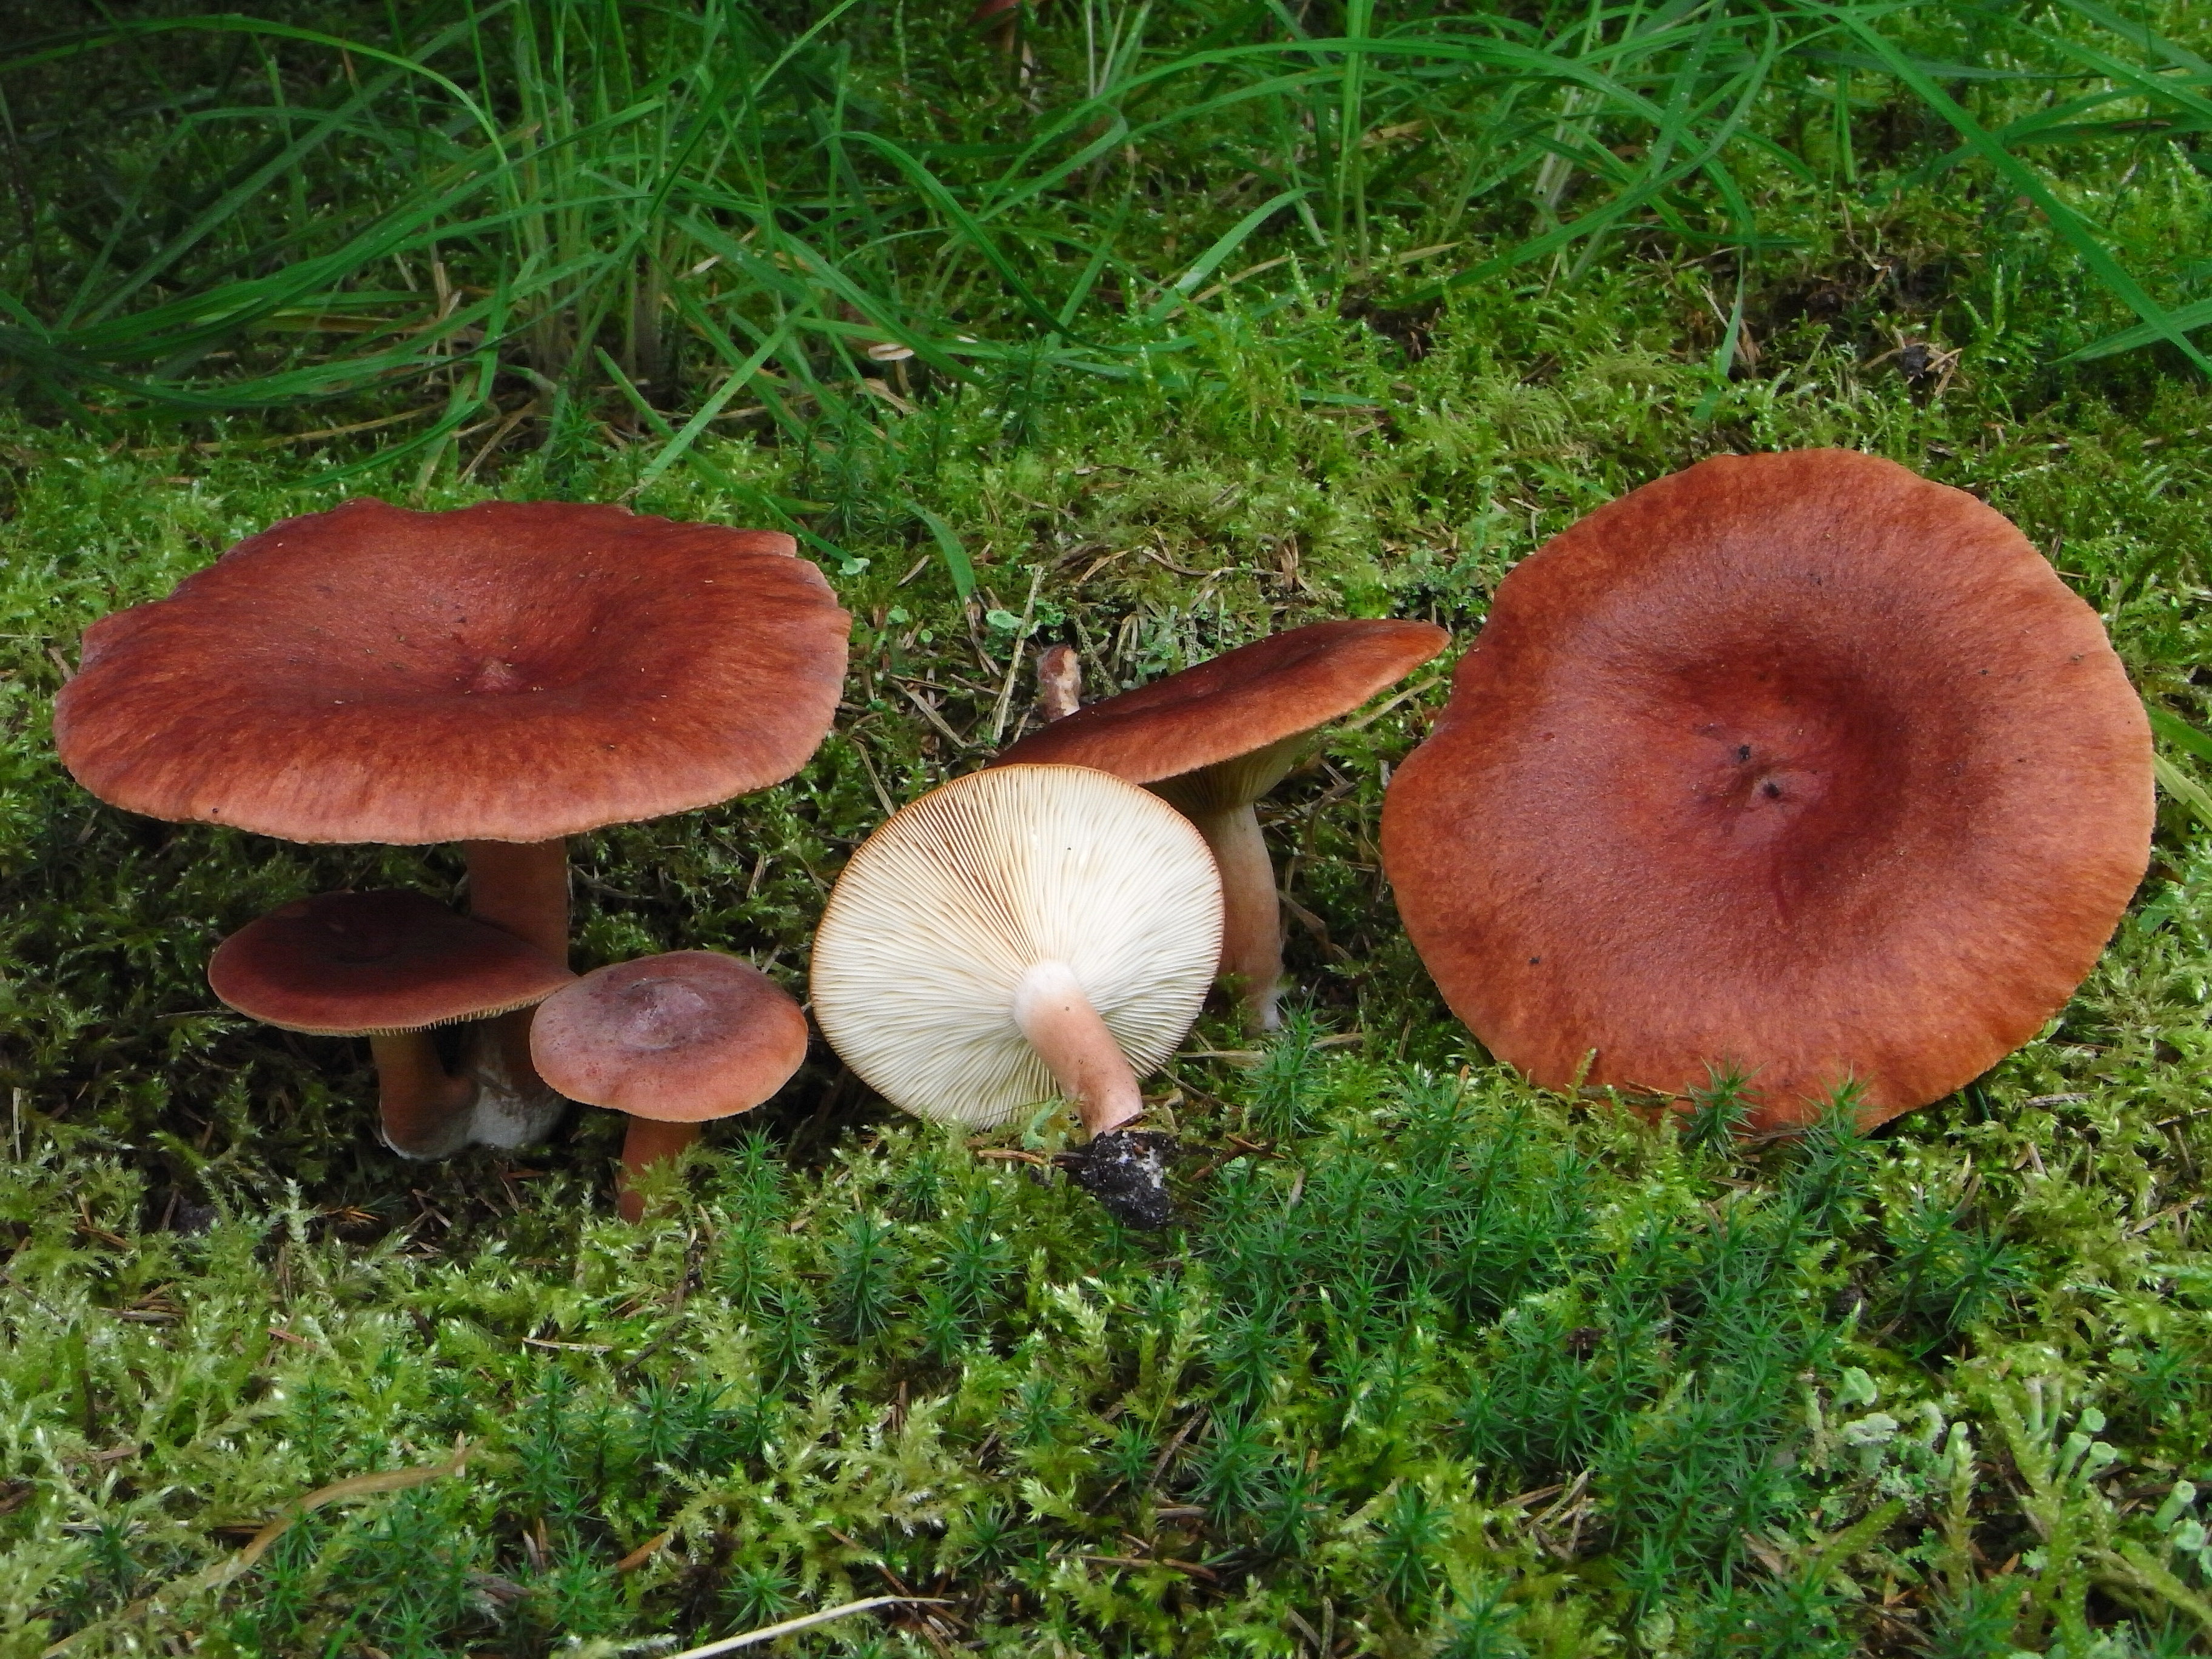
pixel 282 439
pixel 644 1553
pixel 931 714
pixel 1014 666
pixel 522 412
pixel 1192 1568
pixel 2150 1221
pixel 770 1633
pixel 1100 563
pixel 868 766
pixel 1406 696
pixel 1314 924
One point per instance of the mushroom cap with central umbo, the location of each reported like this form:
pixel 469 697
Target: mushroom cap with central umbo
pixel 945 913
pixel 512 672
pixel 1796 763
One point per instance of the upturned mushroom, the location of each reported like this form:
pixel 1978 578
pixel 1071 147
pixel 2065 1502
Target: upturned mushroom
pixel 391 966
pixel 673 1041
pixel 1213 739
pixel 505 675
pixel 1795 763
pixel 1019 933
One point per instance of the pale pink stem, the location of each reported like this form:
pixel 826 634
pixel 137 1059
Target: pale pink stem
pixel 1251 913
pixel 1092 1071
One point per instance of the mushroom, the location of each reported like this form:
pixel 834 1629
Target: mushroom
pixel 672 1040
pixel 389 966
pixel 1211 740
pixel 1797 762
pixel 1018 933
pixel 1059 681
pixel 503 675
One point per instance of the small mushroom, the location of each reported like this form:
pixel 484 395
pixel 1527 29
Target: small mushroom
pixel 672 1040
pixel 1797 762
pixel 1059 681
pixel 1018 933
pixel 389 966
pixel 1211 740
pixel 503 675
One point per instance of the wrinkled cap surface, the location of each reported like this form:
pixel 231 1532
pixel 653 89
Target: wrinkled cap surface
pixel 1796 763
pixel 683 1038
pixel 1243 701
pixel 356 964
pixel 940 912
pixel 509 671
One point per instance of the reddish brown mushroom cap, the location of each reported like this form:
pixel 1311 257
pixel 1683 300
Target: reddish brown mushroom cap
pixel 353 965
pixel 683 1038
pixel 1799 763
pixel 509 671
pixel 1238 702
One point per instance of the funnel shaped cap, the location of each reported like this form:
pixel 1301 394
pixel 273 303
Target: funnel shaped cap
pixel 1798 763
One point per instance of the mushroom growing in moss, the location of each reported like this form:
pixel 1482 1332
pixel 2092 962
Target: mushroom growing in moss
pixel 503 675
pixel 673 1041
pixel 1796 763
pixel 1211 740
pixel 1018 933
pixel 391 966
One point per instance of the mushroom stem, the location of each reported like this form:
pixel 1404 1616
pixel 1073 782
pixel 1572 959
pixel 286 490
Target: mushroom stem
pixel 1251 913
pixel 426 1109
pixel 522 886
pixel 1066 1030
pixel 650 1142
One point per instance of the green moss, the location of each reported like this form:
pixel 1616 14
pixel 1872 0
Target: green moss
pixel 1435 1365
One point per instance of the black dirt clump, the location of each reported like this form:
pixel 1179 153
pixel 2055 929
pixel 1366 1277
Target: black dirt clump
pixel 1126 1170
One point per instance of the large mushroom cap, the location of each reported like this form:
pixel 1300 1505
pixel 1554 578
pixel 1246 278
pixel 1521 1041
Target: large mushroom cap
pixel 941 913
pixel 680 1038
pixel 1798 763
pixel 509 671
pixel 1242 701
pixel 357 964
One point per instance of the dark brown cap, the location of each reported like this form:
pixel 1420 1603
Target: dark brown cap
pixel 1240 701
pixel 361 965
pixel 509 671
pixel 681 1037
pixel 1795 763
